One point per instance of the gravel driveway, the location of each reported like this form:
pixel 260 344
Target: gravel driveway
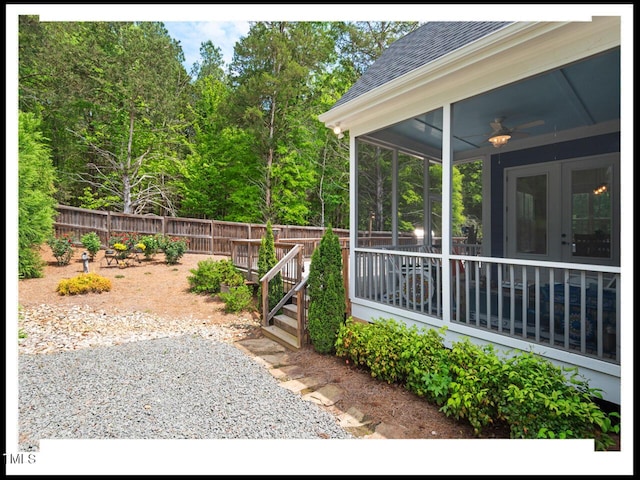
pixel 174 387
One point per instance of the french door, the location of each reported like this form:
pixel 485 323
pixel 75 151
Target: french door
pixel 564 211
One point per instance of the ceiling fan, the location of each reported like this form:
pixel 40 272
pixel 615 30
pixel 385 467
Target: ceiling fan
pixel 501 134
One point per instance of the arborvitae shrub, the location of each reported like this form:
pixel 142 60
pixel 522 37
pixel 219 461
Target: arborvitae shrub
pixel 326 293
pixel 267 259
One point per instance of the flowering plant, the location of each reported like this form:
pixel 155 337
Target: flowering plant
pixel 62 248
pixel 121 248
pixel 127 239
pixel 141 246
pixel 151 244
pixel 174 248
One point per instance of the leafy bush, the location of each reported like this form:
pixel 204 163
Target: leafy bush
pixel 62 248
pixel 238 299
pixel 174 248
pixel 527 392
pixel 399 354
pixel 210 274
pixel 84 283
pixel 477 378
pixel 352 341
pixel 91 241
pixel 151 245
pixel 326 293
pixel 537 402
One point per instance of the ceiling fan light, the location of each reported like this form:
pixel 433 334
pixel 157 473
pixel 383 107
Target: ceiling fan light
pixel 499 140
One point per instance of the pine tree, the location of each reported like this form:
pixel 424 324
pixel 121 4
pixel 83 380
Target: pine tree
pixel 326 293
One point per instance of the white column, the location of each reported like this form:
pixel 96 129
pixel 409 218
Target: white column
pixel 447 156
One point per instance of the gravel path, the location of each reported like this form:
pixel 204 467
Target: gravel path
pixel 172 387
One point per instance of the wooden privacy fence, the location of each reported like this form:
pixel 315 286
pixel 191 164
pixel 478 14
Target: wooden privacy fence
pixel 212 237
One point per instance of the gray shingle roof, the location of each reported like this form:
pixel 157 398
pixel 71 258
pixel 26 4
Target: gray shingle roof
pixel 425 44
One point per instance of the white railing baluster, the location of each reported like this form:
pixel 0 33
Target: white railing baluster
pixel 525 302
pixel 576 314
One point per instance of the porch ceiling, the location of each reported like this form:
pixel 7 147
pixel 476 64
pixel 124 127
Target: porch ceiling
pixel 580 95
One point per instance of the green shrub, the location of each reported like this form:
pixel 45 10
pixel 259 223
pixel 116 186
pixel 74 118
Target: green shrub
pixel 424 360
pixel 62 248
pixel 174 248
pixel 352 341
pixel 238 299
pixel 525 391
pixel 205 278
pixel 385 348
pixel 151 244
pixel 210 274
pixel 416 358
pixel 326 293
pixel 537 402
pixel 476 387
pixel 84 283
pixel 91 241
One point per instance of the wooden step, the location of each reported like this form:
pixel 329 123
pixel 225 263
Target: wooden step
pixel 282 337
pixel 294 299
pixel 287 323
pixel 290 310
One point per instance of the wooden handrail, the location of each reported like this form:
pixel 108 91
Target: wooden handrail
pixel 277 268
pixel 295 252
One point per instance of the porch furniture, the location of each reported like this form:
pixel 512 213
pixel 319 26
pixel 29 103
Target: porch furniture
pixel 413 280
pixel 417 284
pixel 113 258
pixel 575 324
pixel 492 304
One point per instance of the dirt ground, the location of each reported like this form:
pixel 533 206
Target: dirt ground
pixel 154 287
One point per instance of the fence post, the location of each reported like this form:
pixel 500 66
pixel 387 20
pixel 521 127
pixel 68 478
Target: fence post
pixel 108 228
pixel 212 237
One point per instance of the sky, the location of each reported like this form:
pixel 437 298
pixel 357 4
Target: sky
pixel 192 34
pixel 224 24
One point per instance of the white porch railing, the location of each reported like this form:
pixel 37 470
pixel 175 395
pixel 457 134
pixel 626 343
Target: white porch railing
pixel 567 306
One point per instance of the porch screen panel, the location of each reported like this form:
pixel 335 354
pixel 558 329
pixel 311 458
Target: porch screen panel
pixel 531 214
pixel 411 218
pixel 375 166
